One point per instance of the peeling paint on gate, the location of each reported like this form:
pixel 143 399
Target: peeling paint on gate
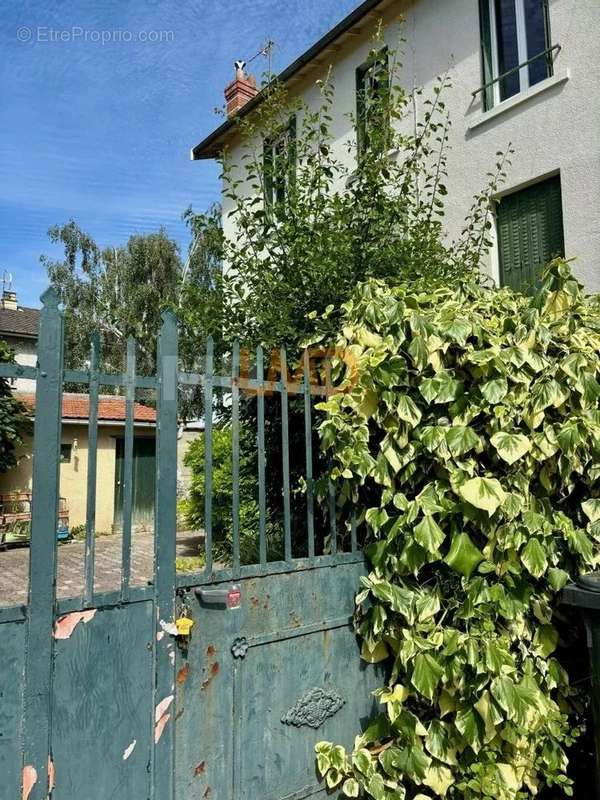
pixel 160 726
pixel 51 775
pixel 161 717
pixel 66 625
pixel 129 750
pixel 30 777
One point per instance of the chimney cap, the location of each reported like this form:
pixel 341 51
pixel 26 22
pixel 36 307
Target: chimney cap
pixel 241 89
pixel 8 302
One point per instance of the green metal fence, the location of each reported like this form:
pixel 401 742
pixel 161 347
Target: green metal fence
pixel 36 731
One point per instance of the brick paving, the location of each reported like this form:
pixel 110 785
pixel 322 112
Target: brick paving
pixel 14 565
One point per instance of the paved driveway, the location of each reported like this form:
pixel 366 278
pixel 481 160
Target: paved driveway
pixel 14 565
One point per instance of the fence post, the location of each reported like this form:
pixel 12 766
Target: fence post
pixel 37 698
pixel 165 524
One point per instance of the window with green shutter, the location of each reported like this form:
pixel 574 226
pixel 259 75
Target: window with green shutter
pixel 372 92
pixel 530 233
pixel 279 166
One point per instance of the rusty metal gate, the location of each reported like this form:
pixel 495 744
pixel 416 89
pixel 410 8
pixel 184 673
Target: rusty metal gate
pixel 99 699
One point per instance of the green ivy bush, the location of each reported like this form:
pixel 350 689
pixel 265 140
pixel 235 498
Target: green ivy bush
pixel 470 438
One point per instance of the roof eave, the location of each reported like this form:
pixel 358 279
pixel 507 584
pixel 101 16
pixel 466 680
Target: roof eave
pixel 212 145
pixel 18 334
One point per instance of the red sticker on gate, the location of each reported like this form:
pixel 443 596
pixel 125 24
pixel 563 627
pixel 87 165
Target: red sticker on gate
pixel 234 597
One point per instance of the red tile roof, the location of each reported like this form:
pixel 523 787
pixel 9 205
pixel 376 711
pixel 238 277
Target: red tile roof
pixel 110 407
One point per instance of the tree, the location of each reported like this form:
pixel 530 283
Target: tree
pixel 14 422
pixel 309 227
pixel 119 291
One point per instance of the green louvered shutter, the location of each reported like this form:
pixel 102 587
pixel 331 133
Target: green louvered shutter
pixel 530 233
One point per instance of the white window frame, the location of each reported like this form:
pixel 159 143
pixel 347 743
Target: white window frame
pixel 521 48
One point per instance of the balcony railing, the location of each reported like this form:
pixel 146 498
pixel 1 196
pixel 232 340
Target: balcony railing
pixel 551 53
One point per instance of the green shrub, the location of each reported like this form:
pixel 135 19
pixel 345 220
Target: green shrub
pixel 192 508
pixel 471 442
pixel 14 422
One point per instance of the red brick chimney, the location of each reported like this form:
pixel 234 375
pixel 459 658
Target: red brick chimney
pixel 240 90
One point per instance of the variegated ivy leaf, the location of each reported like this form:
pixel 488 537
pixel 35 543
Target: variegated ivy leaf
pixel 362 761
pixel 426 675
pixel 461 439
pixel 495 390
pixel 439 742
pixel 351 787
pixel 534 557
pixel 470 725
pixel 408 411
pixel 464 556
pixel 545 640
pixel 557 304
pixel 547 393
pixel 484 493
pixel 429 388
pixel 591 508
pixel 429 534
pixel 373 656
pixel 511 446
pixel 439 779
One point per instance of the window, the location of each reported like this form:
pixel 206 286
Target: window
pixel 515 43
pixel 530 233
pixel 372 88
pixel 279 164
pixel 65 453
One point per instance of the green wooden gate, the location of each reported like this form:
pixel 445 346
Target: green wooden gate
pixel 98 697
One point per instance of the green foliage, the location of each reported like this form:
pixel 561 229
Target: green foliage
pixel 192 507
pixel 471 440
pixel 337 220
pixel 120 291
pixel 14 422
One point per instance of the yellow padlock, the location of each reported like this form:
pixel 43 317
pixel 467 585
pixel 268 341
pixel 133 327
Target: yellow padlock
pixel 184 626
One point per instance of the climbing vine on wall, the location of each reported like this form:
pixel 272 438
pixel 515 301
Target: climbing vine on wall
pixel 470 442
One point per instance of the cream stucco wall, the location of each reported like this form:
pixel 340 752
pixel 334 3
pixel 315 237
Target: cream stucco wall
pixel 555 128
pixel 73 475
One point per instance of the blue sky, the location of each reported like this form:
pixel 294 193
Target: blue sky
pixel 101 132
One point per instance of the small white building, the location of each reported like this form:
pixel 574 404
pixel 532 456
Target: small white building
pixel 525 72
pixel 19 329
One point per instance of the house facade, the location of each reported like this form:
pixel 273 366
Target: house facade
pixel 19 328
pixel 524 73
pixel 74 459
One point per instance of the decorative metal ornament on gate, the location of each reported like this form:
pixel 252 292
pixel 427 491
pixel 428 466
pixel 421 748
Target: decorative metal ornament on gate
pixel 313 708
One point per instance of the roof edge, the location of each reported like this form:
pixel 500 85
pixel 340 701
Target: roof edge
pixel 211 146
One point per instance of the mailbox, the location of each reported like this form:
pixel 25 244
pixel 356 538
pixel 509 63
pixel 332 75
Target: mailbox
pixel 228 596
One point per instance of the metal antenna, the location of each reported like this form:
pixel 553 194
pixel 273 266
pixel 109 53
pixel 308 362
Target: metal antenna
pixel 266 50
pixel 7 278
